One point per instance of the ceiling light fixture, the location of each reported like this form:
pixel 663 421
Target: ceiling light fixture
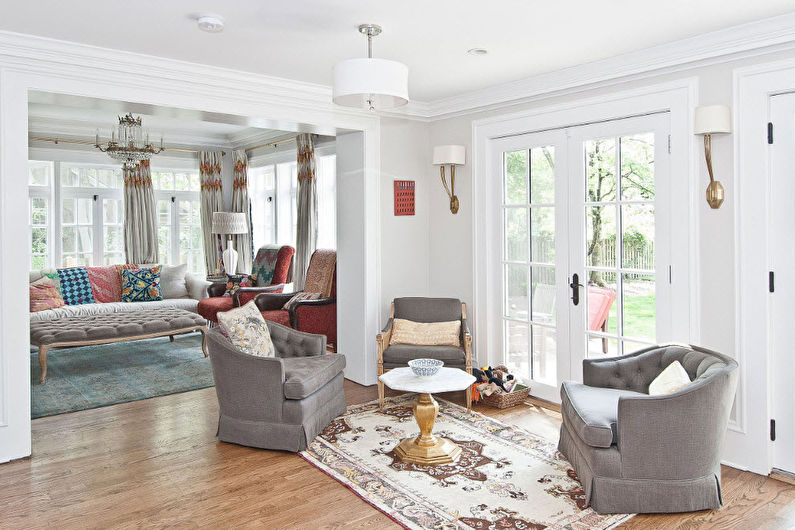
pixel 210 23
pixel 370 83
pixel 131 144
pixel 477 51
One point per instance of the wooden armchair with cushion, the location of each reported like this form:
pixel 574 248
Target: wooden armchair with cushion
pixel 425 310
pixel 272 267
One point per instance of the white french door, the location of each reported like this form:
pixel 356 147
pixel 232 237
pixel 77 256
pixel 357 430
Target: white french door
pixel 782 262
pixel 585 247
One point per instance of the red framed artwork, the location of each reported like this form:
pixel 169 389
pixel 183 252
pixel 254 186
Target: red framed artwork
pixel 404 197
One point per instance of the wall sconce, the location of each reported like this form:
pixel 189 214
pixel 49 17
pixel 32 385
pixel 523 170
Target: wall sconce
pixel 713 119
pixel 453 155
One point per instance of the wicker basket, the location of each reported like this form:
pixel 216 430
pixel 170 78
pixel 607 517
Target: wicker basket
pixel 503 400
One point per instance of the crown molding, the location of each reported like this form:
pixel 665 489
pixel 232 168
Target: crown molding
pixel 753 38
pixel 41 54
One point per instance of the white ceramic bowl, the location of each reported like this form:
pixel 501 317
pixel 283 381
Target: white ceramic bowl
pixel 425 367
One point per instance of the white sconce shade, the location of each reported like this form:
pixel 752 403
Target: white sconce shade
pixel 713 119
pixel 364 82
pixel 449 154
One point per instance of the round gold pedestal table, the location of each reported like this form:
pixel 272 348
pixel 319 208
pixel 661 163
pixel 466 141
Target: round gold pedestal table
pixel 427 449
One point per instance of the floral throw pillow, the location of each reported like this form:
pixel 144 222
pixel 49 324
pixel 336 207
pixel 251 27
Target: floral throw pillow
pixel 141 285
pixel 235 281
pixel 44 295
pixel 75 286
pixel 247 330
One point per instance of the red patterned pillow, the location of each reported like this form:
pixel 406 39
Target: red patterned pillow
pixel 105 283
pixel 44 295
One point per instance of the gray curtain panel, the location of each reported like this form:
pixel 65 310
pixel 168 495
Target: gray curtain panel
pixel 140 218
pixel 212 200
pixel 241 204
pixel 306 230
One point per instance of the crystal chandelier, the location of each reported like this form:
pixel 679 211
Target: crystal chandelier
pixel 130 144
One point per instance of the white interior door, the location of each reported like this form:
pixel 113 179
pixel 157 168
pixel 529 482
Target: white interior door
pixel 590 201
pixel 782 264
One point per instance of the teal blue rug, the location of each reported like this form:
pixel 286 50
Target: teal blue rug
pixel 97 376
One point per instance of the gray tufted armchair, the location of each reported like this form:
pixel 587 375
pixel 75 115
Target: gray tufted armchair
pixel 280 402
pixel 636 453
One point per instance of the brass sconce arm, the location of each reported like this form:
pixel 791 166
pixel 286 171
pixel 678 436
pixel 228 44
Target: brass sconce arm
pixel 451 189
pixel 715 191
pixel 709 120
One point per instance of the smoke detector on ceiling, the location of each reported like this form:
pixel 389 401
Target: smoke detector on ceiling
pixel 210 23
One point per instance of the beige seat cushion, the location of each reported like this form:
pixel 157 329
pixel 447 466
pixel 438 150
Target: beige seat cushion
pixel 426 333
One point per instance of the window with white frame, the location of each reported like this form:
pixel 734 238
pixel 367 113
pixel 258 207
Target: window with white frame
pixel 77 215
pixel 179 221
pixel 273 189
pixel 40 178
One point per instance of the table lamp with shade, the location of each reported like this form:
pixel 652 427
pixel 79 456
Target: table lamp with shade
pixel 229 223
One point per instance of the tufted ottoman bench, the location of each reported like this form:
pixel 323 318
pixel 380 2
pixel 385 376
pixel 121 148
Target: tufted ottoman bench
pixel 113 327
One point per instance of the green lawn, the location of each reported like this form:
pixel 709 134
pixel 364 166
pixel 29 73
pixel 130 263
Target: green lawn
pixel 639 316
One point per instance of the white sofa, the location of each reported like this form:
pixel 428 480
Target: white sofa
pixel 195 284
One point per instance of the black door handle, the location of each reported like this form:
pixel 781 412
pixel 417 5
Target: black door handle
pixel 575 288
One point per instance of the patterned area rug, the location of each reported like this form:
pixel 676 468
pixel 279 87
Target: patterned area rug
pixel 506 477
pixel 96 376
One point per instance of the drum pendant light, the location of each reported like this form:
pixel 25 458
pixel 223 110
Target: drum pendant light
pixel 370 83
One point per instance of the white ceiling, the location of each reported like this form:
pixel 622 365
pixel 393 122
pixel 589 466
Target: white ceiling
pixel 303 39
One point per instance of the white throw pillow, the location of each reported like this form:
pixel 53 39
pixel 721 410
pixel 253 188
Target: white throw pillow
pixel 247 330
pixel 673 378
pixel 172 281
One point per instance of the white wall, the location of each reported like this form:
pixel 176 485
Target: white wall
pixel 450 254
pixel 405 239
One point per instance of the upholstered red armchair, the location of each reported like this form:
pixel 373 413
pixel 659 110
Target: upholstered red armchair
pixel 272 267
pixel 317 316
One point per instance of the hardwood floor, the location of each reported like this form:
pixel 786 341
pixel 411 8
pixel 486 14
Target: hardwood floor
pixel 157 463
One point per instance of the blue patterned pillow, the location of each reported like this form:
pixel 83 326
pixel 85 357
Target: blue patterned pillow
pixel 75 287
pixel 141 285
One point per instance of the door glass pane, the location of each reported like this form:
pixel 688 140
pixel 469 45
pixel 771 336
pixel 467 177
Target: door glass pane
pixel 620 294
pixel 516 177
pixel 637 167
pixel 517 304
pixel 544 295
pixel 637 226
pixel 601 229
pixel 544 355
pixel 542 175
pixel 638 312
pixel 517 340
pixel 600 168
pixel 542 227
pixel 516 234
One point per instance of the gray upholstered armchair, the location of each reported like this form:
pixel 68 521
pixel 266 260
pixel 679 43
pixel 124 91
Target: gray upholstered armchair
pixel 636 453
pixel 419 309
pixel 280 402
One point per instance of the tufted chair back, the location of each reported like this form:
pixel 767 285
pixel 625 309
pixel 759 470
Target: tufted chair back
pixel 291 343
pixel 636 371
